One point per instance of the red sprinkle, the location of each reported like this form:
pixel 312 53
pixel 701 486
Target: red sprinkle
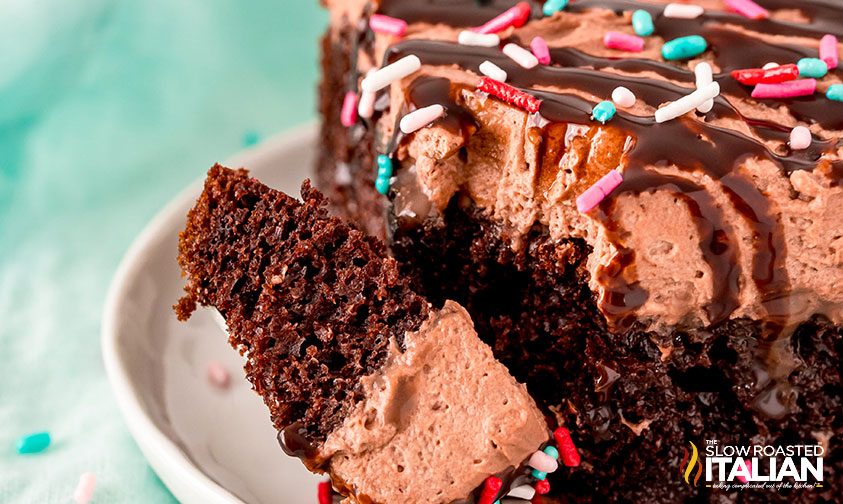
pixel 509 94
pixel 567 450
pixel 515 16
pixel 491 488
pixel 325 492
pixel 542 487
pixel 775 75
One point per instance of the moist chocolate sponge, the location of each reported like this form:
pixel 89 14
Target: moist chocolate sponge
pixel 309 300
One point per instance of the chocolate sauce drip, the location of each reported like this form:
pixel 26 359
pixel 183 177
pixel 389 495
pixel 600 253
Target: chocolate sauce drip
pixel 295 444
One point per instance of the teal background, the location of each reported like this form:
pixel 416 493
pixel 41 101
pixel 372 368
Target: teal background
pixel 107 109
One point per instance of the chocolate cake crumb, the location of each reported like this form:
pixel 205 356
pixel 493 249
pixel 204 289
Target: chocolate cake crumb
pixel 311 302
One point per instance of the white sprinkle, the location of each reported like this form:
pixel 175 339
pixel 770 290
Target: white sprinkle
pixel 478 39
pixel 85 488
pixel 800 138
pixel 366 105
pixel 623 97
pixel 382 78
pixel 520 55
pixel 687 103
pixel 420 118
pixel 217 375
pixel 489 69
pixel 770 65
pixel 522 492
pixel 683 11
pixel 704 77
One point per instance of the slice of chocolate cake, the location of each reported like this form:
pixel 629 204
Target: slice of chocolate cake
pixel 638 204
pixel 395 400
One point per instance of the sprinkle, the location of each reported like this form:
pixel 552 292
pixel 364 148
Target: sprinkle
pixel 522 492
pixel 513 17
pixel 217 375
pixel 420 118
pixel 585 203
pixel 835 92
pixel 828 50
pixel 85 488
pixel 704 77
pixel 324 492
pixel 551 7
pixel 748 464
pixel 684 47
pixel 800 138
pixel 348 115
pixel 542 487
pixel 623 42
pixel 551 451
pixel 683 11
pixel 491 70
pixel 382 185
pixel 642 23
pixel 384 173
pixel 366 107
pixel 543 462
pixel 768 66
pixel 389 25
pixel 539 475
pixel 687 103
pixel 568 451
pixel 491 487
pixel 623 97
pixel 748 8
pixel 478 39
pixel 385 76
pixel 801 87
pixel 509 94
pixel 812 67
pixel 540 50
pixel 33 443
pixel 772 75
pixel 520 55
pixel 603 112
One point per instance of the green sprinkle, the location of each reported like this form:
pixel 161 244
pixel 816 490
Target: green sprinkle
pixel 642 23
pixel 384 166
pixel 382 184
pixel 684 48
pixel 34 443
pixel 812 67
pixel 551 452
pixel 603 111
pixel 553 6
pixel 835 92
pixel 541 476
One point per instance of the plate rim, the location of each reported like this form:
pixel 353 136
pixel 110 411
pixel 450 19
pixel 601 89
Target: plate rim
pixel 178 473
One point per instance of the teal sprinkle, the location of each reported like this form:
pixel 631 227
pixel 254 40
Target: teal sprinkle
pixel 551 452
pixel 553 6
pixel 541 476
pixel 34 443
pixel 382 184
pixel 835 92
pixel 251 138
pixel 603 111
pixel 684 48
pixel 812 67
pixel 384 166
pixel 642 23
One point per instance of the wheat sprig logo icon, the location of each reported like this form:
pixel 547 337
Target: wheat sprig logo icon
pixel 686 467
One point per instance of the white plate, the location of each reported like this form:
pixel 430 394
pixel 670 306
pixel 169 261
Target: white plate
pixel 208 446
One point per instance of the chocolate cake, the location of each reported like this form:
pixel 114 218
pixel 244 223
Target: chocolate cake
pixel 661 264
pixel 396 400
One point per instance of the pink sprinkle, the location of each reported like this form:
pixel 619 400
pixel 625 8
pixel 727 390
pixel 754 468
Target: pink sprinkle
pixel 748 8
pixel 85 488
pixel 623 42
pixel 748 464
pixel 828 50
pixel 540 50
pixel 217 375
pixel 596 193
pixel 543 462
pixel 389 25
pixel 801 87
pixel 515 16
pixel 348 116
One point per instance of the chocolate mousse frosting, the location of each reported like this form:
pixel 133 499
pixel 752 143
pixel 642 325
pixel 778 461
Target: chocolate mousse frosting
pixel 716 218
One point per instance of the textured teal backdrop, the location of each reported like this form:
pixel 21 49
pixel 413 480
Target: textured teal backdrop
pixel 107 109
